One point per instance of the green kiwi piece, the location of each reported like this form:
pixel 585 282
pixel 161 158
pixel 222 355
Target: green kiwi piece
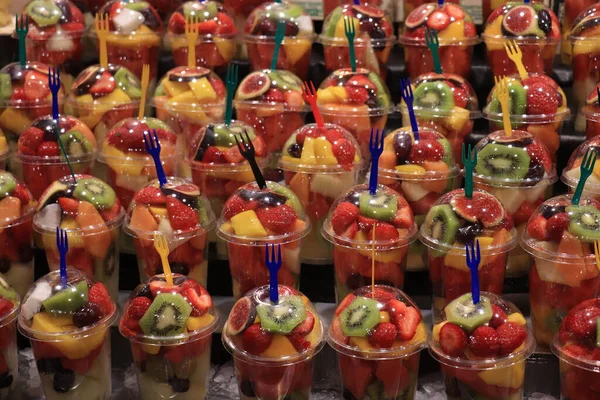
pixel 381 207
pixel 441 224
pixel 333 19
pixel 517 100
pixel 43 12
pixel 503 162
pixel 292 199
pixel 584 222
pixel 7 183
pixel 166 316
pixel 76 144
pixel 382 99
pixel 5 86
pixel 96 192
pixel 282 317
pixel 360 317
pixel 468 315
pixel 5 289
pixel 128 82
pixel 434 96
pixel 160 91
pixel 68 300
pixel 447 158
pixel 292 11
pixel 155 123
pixel 284 81
pixel 375 391
pixel 137 5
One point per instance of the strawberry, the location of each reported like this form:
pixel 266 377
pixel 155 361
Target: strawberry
pixel 575 350
pixel 556 225
pixel 274 95
pixel 469 29
pixel 236 205
pixel 232 155
pixel 425 150
pixel 217 85
pixel 385 232
pixel 305 326
pixel 538 153
pixel 343 215
pixel 200 303
pixel 536 228
pixel 150 195
pixel 498 316
pixel 511 336
pixel 332 135
pixel 351 231
pixel 541 99
pixel 345 303
pixel 357 95
pixel 408 324
pixel 256 340
pixel 278 219
pixel 68 205
pixel 438 20
pixel 454 11
pixel 404 218
pixel 344 151
pixel 181 216
pixel 177 23
pixel 138 307
pixel 6 307
pixel 226 25
pixel 104 85
pixel 213 155
pixel 299 342
pixel 18 95
pixel 111 213
pixel 366 223
pixel 36 86
pixel 48 149
pixel 31 138
pixel 22 194
pixel 380 294
pixel 177 354
pixel 99 295
pixel 207 27
pixel 583 323
pixel 396 309
pixel 595 354
pixel 360 81
pixel 453 340
pixel 461 98
pixel 383 336
pixel 484 341
pixel 539 78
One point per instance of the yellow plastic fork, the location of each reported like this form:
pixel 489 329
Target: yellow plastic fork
pixel 145 81
pixel 597 252
pixel 102 30
pixel 501 92
pixel 191 34
pixel 162 248
pixel 514 53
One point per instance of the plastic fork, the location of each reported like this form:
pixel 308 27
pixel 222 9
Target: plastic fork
pixel 54 85
pixel 597 252
pixel 501 91
pixel 162 248
pixel 22 28
pixel 145 82
pixel 433 42
pixel 586 168
pixel 469 161
pixel 473 260
pixel 153 148
pixel 247 150
pixel 407 96
pixel 514 53
pixel 375 148
pixel 191 34
pixel 279 34
pixel 62 243
pixel 102 30
pixel 273 263
pixel 231 81
pixel 350 31
pixel 310 96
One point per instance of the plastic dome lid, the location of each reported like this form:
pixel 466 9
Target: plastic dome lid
pixel 373 26
pixel 177 210
pixel 7 315
pixel 523 22
pixel 452 22
pixel 190 302
pixel 376 304
pixel 311 149
pixel 272 90
pixel 591 108
pixel 262 21
pixel 216 19
pixel 254 216
pixel 132 17
pixel 54 20
pixel 14 79
pixel 354 93
pixel 255 313
pixel 105 88
pixel 572 172
pixel 16 201
pixel 583 28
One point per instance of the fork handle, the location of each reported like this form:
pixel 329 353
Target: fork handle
pixel 506 119
pixel 192 52
pixel 352 54
pixel 578 191
pixel 260 179
pixel 521 69
pixel 55 104
pixel 373 175
pixel 63 262
pixel 273 287
pixel 160 171
pixel 413 119
pixel 475 282
pixel 164 259
pixel 22 50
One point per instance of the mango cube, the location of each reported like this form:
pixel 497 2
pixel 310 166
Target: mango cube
pixel 247 224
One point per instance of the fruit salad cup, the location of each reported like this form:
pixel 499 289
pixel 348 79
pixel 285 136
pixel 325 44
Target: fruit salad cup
pixel 69 330
pixel 216 43
pixel 102 97
pixel 219 169
pixel 372 45
pixel 445 103
pixel 358 101
pixel 533 26
pixel 182 214
pixel 591 112
pixel 17 207
pixel 559 236
pixel 91 214
pixel 456 33
pixel 253 218
pixel 482 348
pixel 421 170
pixel 170 330
pixel 361 255
pixel 4 151
pixel 241 9
pixel 39 159
pixel 454 221
pixel 130 167
pixel 261 25
pixel 319 166
pixel 378 357
pixel 330 5
pixel 273 345
pixel 577 347
pixel 9 372
pixel 572 9
pixel 538 105
pixel 572 172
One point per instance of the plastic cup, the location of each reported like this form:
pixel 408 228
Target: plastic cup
pixel 564 271
pixel 358 258
pixel 9 373
pixel 372 45
pixel 591 112
pixel 253 218
pixel 488 6
pixel 172 362
pixel 71 337
pixel 182 214
pixel 241 9
pixel 471 370
pixel 572 9
pixel 91 213
pixel 372 368
pixel 270 361
pixel 421 180
pixel 320 165
pixel 572 172
pixel 456 33
pixel 451 223
pixel 4 151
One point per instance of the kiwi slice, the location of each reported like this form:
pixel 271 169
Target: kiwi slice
pixel 7 183
pixel 292 199
pixel 43 12
pixel 68 300
pixel 584 222
pixel 517 100
pixel 504 162
pixel 360 317
pixel 333 20
pixel 382 99
pixel 434 96
pixel 137 5
pixel 441 224
pixel 77 144
pixel 284 81
pixel 96 192
pixel 128 82
pixel 447 158
pixel 282 317
pixel 166 316
pixel 381 207
pixel 155 123
pixel 5 86
pixel 468 315
pixel 5 290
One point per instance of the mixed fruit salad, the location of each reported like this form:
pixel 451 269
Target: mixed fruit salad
pixel 254 217
pixel 378 334
pixel 69 330
pixel 482 348
pixel 182 214
pixel 572 172
pixel 591 112
pixel 368 229
pixel 9 373
pixel 273 343
pixel 170 329
pixel 456 33
pixel 572 9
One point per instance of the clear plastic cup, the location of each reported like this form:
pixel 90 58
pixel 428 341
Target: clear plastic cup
pixel 181 213
pixel 170 361
pixel 253 218
pixel 219 169
pixel 564 271
pixel 445 103
pixel 272 359
pixel 533 26
pixel 357 101
pixel 4 151
pixel 454 221
pixel 488 6
pixel 572 172
pixel 372 45
pixel 488 358
pixel 241 9
pixel 456 33
pixel 591 111
pixel 330 5
pixel 572 9
pixel 320 165
pixel 421 171
pixel 39 160
pixel 9 371
pixel 361 255
pixel 91 214
pixel 69 330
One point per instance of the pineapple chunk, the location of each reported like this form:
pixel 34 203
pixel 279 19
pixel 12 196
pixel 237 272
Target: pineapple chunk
pixel 175 88
pixel 203 90
pixel 323 152
pixel 247 224
pixel 458 119
pixel 195 323
pixel 308 152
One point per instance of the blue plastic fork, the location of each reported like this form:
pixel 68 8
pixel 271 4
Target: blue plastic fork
pixel 231 81
pixel 22 28
pixel 586 168
pixel 62 243
pixel 473 260
pixel 376 148
pixel 54 84
pixel 469 160
pixel 153 148
pixel 279 35
pixel 273 263
pixel 408 97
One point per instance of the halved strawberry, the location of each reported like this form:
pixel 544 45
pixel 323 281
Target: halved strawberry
pixel 150 195
pixel 232 155
pixel 408 324
pixel 453 340
pixel 200 303
pixel 404 218
pixel 345 303
pixel 68 205
pixel 343 215
pixel 298 341
pixel 366 223
pixel 305 326
pixel 536 228
pixel 385 232
pixel 256 340
pixel 104 85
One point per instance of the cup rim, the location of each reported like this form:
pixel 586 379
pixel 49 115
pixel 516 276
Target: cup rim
pixel 114 223
pixel 175 235
pixel 269 105
pixel 547 180
pixel 248 38
pixel 178 107
pixel 434 113
pixel 420 42
pixel 373 112
pixel 53 160
pixel 489 250
pixel 571 183
pixel 557 349
pixel 527 243
pixel 203 38
pixel 43 35
pixel 224 168
pixel 521 40
pixel 72 101
pixel 453 172
pixel 367 245
pixel 148 161
pixel 576 38
pixel 590 115
pixel 528 118
pixel 275 239
pixel 326 40
pixel 30 104
pixel 31 211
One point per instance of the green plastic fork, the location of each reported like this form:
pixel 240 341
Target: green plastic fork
pixel 279 35
pixel 22 28
pixel 350 31
pixel 586 168
pixel 231 81
pixel 433 42
pixel 469 160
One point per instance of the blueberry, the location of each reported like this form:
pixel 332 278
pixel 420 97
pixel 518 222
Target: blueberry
pixel 544 21
pixel 536 171
pixel 150 19
pixel 179 385
pixel 548 211
pixel 87 315
pixel 6 380
pixel 291 29
pixel 4 265
pixel 266 27
pixel 199 154
pixel 64 379
pixel 179 268
pixel 247 389
pixel 48 365
pixel 402 143
pixel 378 34
pixel 295 150
pixel 145 292
pixel 65 10
pixel 468 232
